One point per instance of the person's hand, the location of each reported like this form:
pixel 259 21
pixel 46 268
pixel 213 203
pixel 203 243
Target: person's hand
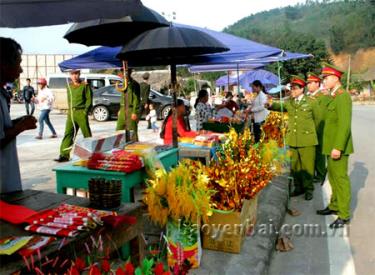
pixel 134 117
pixel 26 123
pixel 335 154
pixel 146 106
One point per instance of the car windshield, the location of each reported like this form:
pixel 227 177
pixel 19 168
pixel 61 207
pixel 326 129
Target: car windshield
pixel 157 93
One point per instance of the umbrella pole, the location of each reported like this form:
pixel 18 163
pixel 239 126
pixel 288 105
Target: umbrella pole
pixel 126 100
pixel 174 109
pixel 281 95
pixel 238 80
pixel 228 81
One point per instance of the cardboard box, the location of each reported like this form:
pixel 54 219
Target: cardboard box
pixel 184 242
pixel 85 147
pixel 226 231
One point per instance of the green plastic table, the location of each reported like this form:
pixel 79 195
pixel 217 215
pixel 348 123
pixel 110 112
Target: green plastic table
pixel 77 177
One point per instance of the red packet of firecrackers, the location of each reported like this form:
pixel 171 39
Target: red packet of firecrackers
pixel 37 243
pixel 43 229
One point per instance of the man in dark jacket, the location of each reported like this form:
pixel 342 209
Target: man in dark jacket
pixel 29 95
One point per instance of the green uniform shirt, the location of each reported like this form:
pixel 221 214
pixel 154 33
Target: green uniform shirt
pixel 337 128
pixel 133 97
pixel 81 96
pixel 301 130
pixel 321 102
pixel 145 92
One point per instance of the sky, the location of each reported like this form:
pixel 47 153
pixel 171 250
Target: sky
pixel 212 14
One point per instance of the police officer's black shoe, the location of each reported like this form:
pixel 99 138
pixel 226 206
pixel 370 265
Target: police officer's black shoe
pixel 326 211
pixel 308 196
pixel 61 159
pixel 296 193
pixel 339 223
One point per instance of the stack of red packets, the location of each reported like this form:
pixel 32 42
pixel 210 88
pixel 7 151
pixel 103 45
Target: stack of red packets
pixel 66 220
pixel 120 160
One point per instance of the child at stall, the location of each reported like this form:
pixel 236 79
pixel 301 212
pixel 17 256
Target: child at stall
pixel 153 118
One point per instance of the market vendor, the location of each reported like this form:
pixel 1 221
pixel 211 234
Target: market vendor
pixel 182 130
pixel 10 70
pixel 202 109
pixel 133 113
pixel 258 109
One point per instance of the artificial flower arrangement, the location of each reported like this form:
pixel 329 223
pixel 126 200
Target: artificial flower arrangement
pixel 179 200
pixel 239 173
pixel 274 128
pixel 179 194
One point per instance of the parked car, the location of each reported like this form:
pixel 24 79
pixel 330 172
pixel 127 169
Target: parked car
pixel 106 103
pixel 58 82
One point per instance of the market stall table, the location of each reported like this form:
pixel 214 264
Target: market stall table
pixel 39 200
pixel 77 177
pixel 192 151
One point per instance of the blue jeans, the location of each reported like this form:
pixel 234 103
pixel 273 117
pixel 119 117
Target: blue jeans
pixel 28 104
pixel 154 126
pixel 44 117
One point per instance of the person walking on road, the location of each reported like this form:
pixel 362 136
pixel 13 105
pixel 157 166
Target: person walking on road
pixel 301 136
pixel 79 104
pixel 45 101
pixel 132 115
pixel 337 146
pixel 28 94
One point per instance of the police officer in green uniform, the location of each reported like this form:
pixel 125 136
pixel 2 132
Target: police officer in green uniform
pixel 79 103
pixel 301 136
pixel 133 113
pixel 337 145
pixel 313 90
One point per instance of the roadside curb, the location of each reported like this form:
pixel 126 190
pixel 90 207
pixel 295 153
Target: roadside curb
pixel 256 252
pixel 271 212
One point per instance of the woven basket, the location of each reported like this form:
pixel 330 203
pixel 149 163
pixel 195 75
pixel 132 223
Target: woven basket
pixel 105 193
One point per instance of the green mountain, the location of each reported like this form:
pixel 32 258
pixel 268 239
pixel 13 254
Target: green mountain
pixel 344 26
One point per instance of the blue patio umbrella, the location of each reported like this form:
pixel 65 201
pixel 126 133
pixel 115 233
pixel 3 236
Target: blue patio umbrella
pixel 268 79
pixel 239 48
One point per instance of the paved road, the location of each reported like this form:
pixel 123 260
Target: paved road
pixel 330 254
pixel 36 156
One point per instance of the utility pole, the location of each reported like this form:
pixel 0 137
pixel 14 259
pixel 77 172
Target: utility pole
pixel 348 78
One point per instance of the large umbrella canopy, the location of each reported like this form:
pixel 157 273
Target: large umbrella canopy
pixel 33 13
pixel 170 45
pixel 115 32
pixel 268 79
pixel 246 63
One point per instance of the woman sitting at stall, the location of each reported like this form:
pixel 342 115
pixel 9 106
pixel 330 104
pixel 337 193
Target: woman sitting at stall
pixel 182 131
pixel 202 109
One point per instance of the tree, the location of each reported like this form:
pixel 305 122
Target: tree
pixel 336 39
pixel 302 43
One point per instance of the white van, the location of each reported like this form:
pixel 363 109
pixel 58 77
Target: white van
pixel 58 82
